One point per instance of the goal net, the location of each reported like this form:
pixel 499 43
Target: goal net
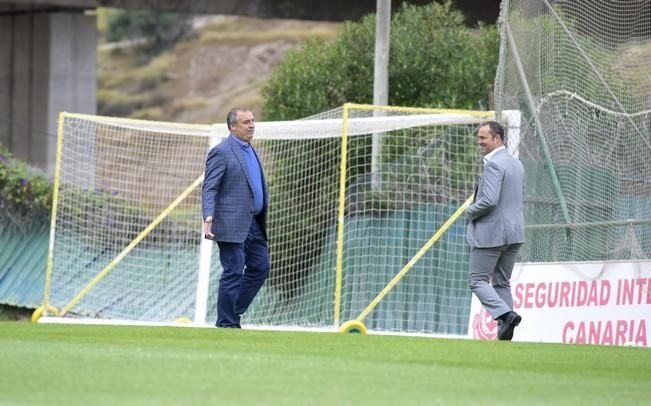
pixel 579 72
pixel 356 194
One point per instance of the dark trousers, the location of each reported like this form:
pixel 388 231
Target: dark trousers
pixel 246 266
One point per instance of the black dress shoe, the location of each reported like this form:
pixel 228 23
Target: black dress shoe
pixel 509 321
pixel 228 326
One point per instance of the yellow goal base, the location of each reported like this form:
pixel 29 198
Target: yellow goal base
pixel 353 326
pixel 38 312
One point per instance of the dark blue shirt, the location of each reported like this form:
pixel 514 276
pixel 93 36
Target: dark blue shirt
pixel 255 173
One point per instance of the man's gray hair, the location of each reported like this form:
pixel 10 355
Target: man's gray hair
pixel 231 118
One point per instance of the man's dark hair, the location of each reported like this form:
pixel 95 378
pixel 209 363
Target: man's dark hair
pixel 231 117
pixel 494 128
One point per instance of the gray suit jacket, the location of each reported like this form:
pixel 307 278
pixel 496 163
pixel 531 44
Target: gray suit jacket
pixel 496 216
pixel 227 193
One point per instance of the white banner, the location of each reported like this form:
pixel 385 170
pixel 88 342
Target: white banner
pixel 606 303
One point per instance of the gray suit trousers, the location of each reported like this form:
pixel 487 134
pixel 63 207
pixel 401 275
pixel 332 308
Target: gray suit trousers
pixel 490 274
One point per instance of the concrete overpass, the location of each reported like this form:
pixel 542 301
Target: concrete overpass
pixel 48 55
pixel 318 10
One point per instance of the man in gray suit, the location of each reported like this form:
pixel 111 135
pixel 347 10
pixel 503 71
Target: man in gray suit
pixel 234 204
pixel 496 228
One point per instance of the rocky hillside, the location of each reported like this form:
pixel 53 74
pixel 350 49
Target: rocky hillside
pixel 224 62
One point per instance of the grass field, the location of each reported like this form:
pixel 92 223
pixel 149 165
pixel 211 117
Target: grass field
pixel 45 364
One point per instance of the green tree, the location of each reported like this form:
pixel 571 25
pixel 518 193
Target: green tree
pixel 435 61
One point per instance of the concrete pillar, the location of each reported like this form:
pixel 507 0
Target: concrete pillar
pixel 6 41
pixel 47 65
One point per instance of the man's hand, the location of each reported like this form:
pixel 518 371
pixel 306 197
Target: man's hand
pixel 207 224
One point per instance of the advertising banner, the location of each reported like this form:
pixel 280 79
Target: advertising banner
pixel 605 303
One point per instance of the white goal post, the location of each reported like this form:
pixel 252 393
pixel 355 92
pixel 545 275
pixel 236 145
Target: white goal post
pixel 126 241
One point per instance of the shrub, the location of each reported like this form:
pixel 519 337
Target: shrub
pixel 434 61
pixel 159 28
pixel 25 192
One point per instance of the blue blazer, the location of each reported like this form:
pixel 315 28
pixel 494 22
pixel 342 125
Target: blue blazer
pixel 227 193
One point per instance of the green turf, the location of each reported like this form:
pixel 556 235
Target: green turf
pixel 44 364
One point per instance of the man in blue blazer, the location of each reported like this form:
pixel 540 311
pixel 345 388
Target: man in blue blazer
pixel 496 228
pixel 234 204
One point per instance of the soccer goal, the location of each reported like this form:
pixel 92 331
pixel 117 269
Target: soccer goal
pixel 364 202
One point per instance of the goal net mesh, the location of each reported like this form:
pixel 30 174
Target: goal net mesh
pixel 579 72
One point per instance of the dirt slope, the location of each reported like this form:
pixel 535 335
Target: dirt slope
pixel 225 62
